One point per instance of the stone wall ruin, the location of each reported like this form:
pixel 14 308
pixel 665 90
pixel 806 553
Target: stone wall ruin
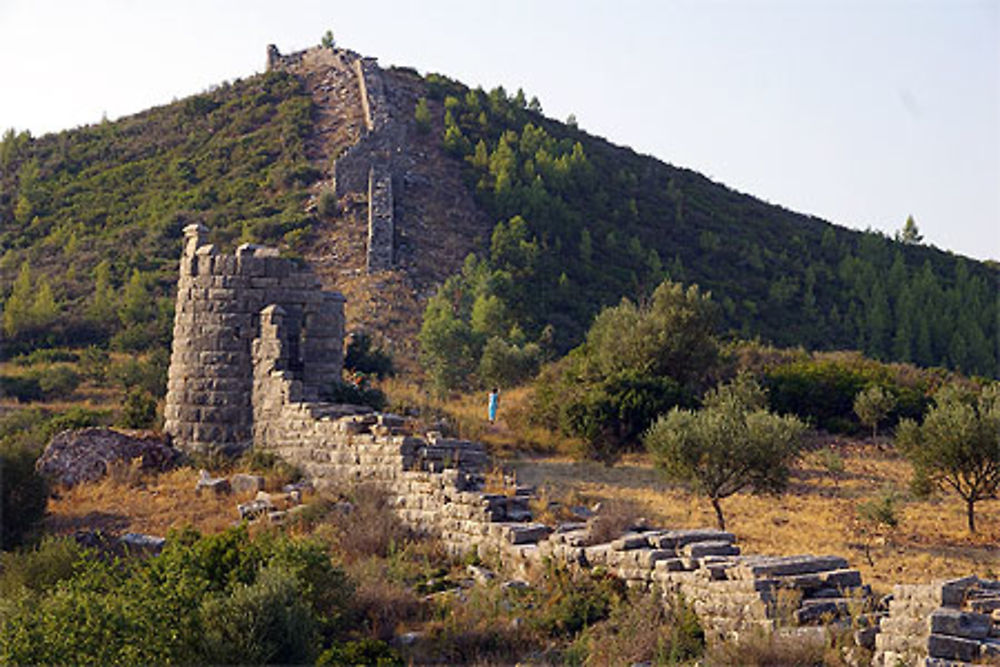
pixel 219 300
pixel 365 168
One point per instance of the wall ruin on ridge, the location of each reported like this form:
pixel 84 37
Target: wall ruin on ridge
pixel 365 168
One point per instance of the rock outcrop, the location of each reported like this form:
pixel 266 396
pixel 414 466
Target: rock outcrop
pixel 85 455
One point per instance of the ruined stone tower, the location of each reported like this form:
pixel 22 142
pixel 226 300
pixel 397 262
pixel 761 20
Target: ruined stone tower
pixel 209 405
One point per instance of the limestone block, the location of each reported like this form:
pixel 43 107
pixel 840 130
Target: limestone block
pixel 753 567
pixel 701 549
pixel 952 648
pixel 629 542
pixel 246 483
pixel 678 538
pixel 966 624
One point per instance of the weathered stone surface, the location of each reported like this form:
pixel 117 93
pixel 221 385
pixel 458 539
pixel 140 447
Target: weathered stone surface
pixel 142 543
pixel 84 455
pixel 207 484
pixel 952 648
pixel 246 483
pixel 957 623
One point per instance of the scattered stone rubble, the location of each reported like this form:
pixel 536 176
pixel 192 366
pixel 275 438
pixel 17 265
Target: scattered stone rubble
pixel 86 455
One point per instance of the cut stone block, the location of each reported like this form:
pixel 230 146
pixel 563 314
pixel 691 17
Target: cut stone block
pixel 755 567
pixel 952 648
pixel 244 483
pixel 709 548
pixel 678 538
pixel 629 542
pixel 966 624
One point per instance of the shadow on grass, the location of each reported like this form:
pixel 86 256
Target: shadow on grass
pixel 106 522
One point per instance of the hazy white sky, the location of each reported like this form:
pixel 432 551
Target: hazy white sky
pixel 859 112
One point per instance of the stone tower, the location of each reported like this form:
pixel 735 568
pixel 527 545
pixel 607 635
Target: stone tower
pixel 209 405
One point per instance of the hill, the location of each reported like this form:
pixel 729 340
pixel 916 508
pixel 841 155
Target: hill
pixel 561 222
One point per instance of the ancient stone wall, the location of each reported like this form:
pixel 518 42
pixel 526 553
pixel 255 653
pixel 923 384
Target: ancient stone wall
pixel 219 299
pixel 381 222
pixel 954 622
pixel 374 152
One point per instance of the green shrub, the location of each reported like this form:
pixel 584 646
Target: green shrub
pixel 24 389
pixel 326 205
pixel 39 569
pixel 138 409
pixel 362 357
pixel 506 364
pixel 58 381
pixel 265 622
pixel 23 492
pixel 570 601
pixel 356 394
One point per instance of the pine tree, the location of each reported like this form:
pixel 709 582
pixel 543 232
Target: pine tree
pixel 909 234
pixel 17 309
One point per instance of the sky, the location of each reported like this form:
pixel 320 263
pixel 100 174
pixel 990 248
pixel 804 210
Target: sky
pixel 859 112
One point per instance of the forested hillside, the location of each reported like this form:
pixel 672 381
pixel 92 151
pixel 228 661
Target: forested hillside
pixel 90 224
pixel 582 222
pixel 91 218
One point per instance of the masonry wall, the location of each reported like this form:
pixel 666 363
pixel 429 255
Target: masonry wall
pixel 219 299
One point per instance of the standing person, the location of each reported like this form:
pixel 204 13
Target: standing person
pixel 494 404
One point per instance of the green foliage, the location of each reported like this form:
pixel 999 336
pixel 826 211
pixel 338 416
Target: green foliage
pixel 23 493
pixel 637 362
pixel 787 278
pixel 505 364
pixel 732 444
pixel 362 357
pixel 957 447
pixel 357 393
pixel 328 41
pixel 326 205
pixel 822 389
pixel 39 568
pixel 422 115
pixel 212 599
pixel 54 382
pixel 872 405
pixel 910 233
pixel 86 209
pixel 570 601
pixel 138 409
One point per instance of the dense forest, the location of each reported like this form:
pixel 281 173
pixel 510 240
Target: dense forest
pixel 581 222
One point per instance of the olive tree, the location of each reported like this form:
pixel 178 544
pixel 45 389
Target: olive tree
pixel 872 405
pixel 732 444
pixel 957 447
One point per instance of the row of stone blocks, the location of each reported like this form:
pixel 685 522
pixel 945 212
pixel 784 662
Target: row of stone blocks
pixel 954 622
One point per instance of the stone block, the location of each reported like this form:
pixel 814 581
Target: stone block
pixel 246 483
pixel 678 538
pixel 709 548
pixel 629 542
pixel 952 648
pixel 218 486
pixel 754 567
pixel 966 624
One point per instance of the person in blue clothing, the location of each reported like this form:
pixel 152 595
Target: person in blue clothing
pixel 494 404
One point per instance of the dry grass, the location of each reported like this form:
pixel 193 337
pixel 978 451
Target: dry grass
pixel 162 502
pixel 813 517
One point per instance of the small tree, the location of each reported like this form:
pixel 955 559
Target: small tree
pixel 958 446
pixel 422 114
pixel 876 518
pixel 872 405
pixel 732 444
pixel 328 42
pixel 910 233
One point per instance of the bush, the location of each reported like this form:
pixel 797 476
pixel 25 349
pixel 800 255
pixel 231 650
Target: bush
pixel 264 622
pixel 58 382
pixel 40 568
pixel 326 205
pixel 138 409
pixel 357 393
pixel 23 492
pixel 24 389
pixel 216 599
pixel 362 358
pixel 505 364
